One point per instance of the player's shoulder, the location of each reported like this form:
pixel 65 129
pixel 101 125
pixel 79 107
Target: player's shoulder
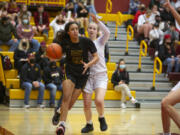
pixel 85 39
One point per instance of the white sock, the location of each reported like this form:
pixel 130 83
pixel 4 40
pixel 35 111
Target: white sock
pixel 166 133
pixel 90 122
pixel 58 110
pixel 102 116
pixel 62 123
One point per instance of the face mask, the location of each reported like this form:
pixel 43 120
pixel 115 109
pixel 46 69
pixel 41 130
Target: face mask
pixel 122 66
pixel 26 21
pixel 53 64
pixel 32 61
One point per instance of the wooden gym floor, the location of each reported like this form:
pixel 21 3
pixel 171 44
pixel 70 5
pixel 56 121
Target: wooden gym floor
pixel 36 121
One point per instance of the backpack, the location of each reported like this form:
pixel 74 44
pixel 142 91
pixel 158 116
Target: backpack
pixel 6 62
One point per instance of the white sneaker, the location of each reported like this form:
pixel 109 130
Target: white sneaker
pixel 26 106
pixel 156 54
pixel 133 100
pixel 40 106
pixel 123 106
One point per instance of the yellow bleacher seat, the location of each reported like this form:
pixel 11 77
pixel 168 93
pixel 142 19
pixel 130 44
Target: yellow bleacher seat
pixel 4 47
pixel 16 94
pixel 11 74
pixel 15 83
pixel 111 66
pixel 110 74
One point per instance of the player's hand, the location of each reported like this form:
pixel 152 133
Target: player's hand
pixel 86 66
pixel 94 18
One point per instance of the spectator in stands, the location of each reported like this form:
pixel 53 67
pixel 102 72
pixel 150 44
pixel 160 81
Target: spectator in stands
pixel 24 13
pixel 106 53
pixel 30 78
pixel 41 19
pixel 25 30
pixel 144 25
pixel 177 61
pixel 70 9
pixel 52 77
pixel 166 15
pixel 120 80
pixel 7 30
pixel 168 56
pixel 155 2
pixel 172 31
pixel 82 17
pixel 133 6
pixel 141 11
pixel 162 25
pixel 21 54
pixel 154 13
pixel 13 7
pixel 156 37
pixel 41 57
pixel 59 23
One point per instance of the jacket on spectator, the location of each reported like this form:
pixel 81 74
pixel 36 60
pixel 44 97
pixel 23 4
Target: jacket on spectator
pixel 174 34
pixel 45 19
pixel 166 16
pixel 25 32
pixel 178 50
pixel 30 74
pixel 52 75
pixel 6 31
pixel 21 53
pixel 135 20
pixel 120 76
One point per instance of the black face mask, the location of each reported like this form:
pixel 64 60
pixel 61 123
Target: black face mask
pixel 24 44
pixel 4 20
pixel 32 61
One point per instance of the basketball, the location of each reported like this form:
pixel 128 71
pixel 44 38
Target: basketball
pixel 54 51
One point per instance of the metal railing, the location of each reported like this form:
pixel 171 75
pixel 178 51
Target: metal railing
pixel 158 62
pixel 2 77
pixel 129 29
pixel 108 8
pixel 143 46
pixel 118 22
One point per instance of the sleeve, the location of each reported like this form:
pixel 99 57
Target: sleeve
pixel 39 78
pixel 106 33
pixel 127 78
pixel 23 74
pixel 91 46
pixel 14 31
pixel 36 20
pixel 141 21
pixel 113 79
pixel 46 77
pixel 52 24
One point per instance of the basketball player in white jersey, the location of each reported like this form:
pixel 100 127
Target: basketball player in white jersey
pixel 167 105
pixel 98 79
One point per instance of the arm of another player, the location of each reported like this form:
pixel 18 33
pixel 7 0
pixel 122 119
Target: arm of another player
pixel 90 63
pixel 173 11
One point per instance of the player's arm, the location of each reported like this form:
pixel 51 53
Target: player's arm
pixel 173 11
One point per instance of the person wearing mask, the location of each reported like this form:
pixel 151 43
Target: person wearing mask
pixel 41 57
pixel 21 55
pixel 41 20
pixel 156 38
pixel 30 78
pixel 120 80
pixel 7 31
pixel 172 31
pixel 25 31
pixel 52 77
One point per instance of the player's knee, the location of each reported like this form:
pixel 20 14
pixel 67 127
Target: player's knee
pixel 98 102
pixel 165 103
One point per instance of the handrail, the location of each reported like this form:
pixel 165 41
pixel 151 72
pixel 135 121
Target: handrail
pixel 2 73
pixel 156 71
pixel 142 53
pixel 129 28
pixel 108 8
pixel 118 22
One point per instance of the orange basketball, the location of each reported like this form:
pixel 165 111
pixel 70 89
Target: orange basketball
pixel 54 51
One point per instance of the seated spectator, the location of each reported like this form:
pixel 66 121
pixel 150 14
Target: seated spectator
pixel 156 37
pixel 25 30
pixel 41 57
pixel 7 30
pixel 162 25
pixel 144 25
pixel 91 8
pixel 30 78
pixel 13 7
pixel 70 8
pixel 59 23
pixel 120 80
pixel 167 54
pixel 154 13
pixel 52 77
pixel 82 17
pixel 154 2
pixel 172 31
pixel 133 6
pixel 141 11
pixel 24 13
pixel 41 20
pixel 166 15
pixel 21 54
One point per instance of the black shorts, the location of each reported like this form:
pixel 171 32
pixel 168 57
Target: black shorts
pixel 79 81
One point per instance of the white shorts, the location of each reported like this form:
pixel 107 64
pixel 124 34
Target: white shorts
pixel 176 87
pixel 99 80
